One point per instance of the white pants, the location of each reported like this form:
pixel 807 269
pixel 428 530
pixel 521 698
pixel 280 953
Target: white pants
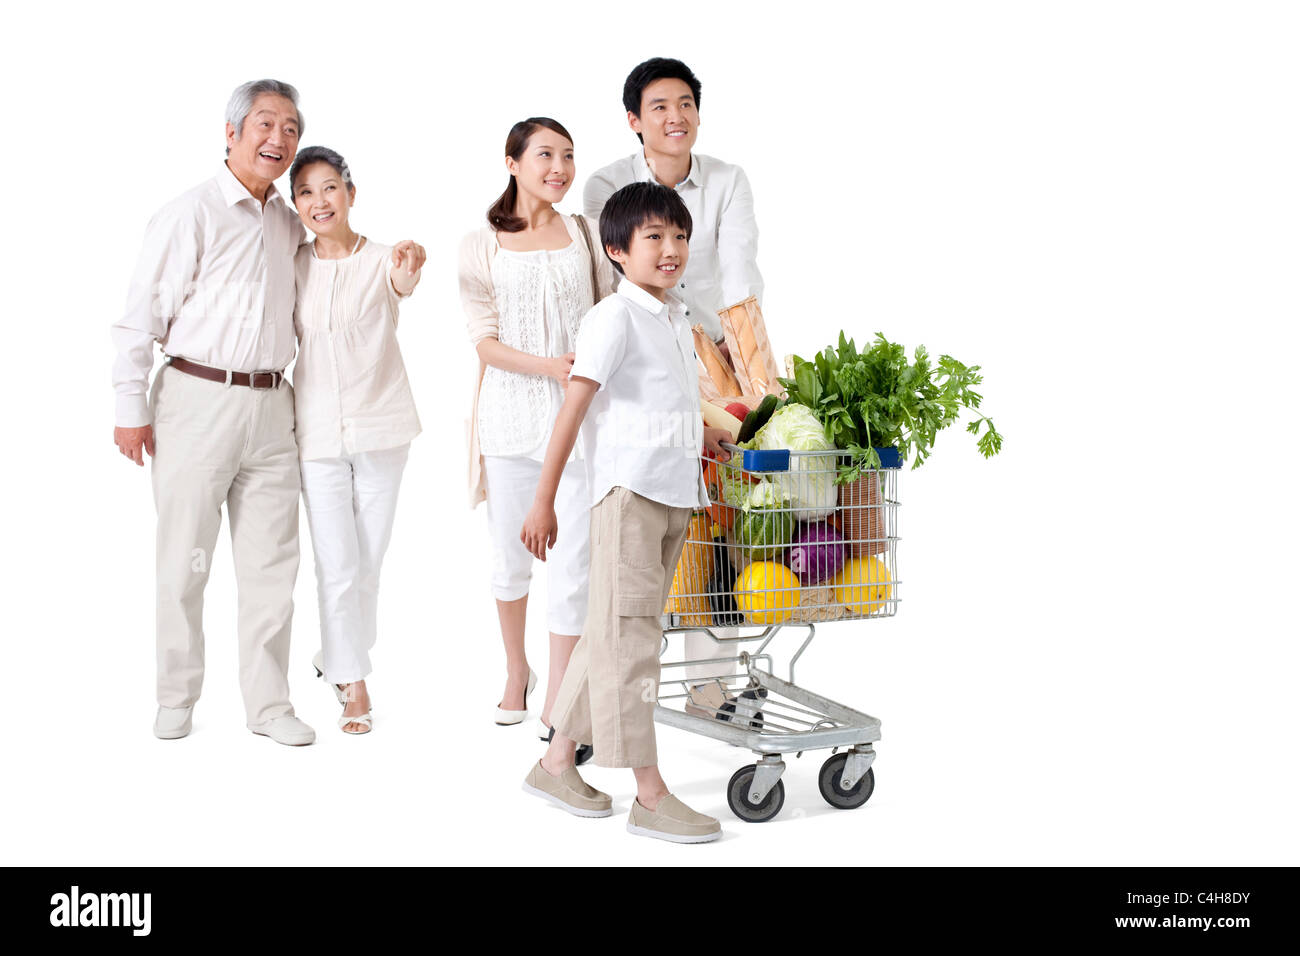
pixel 511 487
pixel 701 647
pixel 217 444
pixel 350 503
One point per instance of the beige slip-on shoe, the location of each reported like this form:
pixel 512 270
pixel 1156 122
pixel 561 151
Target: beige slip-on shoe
pixel 568 791
pixel 286 730
pixel 173 723
pixel 673 821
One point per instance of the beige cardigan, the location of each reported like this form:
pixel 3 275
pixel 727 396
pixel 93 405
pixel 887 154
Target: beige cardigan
pixel 478 298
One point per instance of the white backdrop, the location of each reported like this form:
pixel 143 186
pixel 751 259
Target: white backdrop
pixel 1095 661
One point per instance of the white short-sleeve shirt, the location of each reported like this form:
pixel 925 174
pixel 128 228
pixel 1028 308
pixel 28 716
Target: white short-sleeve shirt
pixel 643 430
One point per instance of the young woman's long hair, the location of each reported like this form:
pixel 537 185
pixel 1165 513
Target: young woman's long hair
pixel 501 214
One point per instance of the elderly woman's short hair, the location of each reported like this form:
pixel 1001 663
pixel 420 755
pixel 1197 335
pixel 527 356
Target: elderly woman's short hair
pixel 241 102
pixel 320 154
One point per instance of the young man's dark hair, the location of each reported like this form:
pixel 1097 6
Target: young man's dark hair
pixel 658 68
pixel 632 207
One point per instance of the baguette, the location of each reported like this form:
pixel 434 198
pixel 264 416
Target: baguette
pixel 714 365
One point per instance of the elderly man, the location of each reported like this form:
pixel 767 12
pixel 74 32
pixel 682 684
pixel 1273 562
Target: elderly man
pixel 215 289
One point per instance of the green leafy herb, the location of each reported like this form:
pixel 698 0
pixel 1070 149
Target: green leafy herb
pixel 878 399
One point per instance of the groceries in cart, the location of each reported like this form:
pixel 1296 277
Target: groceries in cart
pixel 802 520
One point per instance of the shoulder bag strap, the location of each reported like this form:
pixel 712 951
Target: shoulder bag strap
pixel 591 255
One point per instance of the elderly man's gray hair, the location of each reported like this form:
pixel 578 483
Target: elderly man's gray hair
pixel 241 102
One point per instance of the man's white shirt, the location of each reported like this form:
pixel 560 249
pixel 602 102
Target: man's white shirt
pixel 214 284
pixel 643 430
pixel 722 269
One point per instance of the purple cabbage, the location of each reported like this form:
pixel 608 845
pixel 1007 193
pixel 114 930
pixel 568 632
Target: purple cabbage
pixel 816 553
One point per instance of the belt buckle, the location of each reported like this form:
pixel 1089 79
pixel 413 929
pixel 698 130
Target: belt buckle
pixel 273 376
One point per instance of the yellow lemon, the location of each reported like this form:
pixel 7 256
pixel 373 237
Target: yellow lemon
pixel 767 592
pixel 863 586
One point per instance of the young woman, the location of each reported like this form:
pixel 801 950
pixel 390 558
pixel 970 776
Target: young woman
pixel 355 416
pixel 526 280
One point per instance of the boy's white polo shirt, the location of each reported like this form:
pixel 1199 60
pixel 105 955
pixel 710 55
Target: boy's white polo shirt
pixel 643 430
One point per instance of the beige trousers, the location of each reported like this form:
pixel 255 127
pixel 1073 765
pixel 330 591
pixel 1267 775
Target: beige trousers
pixel 233 444
pixel 607 697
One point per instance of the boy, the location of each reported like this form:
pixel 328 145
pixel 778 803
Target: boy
pixel 633 393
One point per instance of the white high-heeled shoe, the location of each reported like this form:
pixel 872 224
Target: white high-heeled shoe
pixel 318 665
pixel 508 718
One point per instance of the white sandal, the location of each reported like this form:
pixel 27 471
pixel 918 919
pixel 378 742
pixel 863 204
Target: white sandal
pixel 508 718
pixel 366 720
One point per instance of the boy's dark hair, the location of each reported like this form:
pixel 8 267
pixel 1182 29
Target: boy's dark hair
pixel 632 207
pixel 658 68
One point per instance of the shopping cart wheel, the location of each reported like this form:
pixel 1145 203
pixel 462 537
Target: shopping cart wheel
pixel 828 781
pixel 738 798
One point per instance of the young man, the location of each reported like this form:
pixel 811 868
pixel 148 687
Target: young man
pixel 662 99
pixel 633 393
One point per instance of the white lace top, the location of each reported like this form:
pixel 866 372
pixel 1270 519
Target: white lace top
pixel 542 296
pixel 512 395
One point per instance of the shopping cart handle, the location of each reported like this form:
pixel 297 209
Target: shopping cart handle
pixel 754 460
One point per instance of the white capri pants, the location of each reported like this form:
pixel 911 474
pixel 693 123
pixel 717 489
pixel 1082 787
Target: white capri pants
pixel 350 503
pixel 511 487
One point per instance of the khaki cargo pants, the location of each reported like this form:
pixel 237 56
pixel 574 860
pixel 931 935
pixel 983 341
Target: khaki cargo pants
pixel 607 698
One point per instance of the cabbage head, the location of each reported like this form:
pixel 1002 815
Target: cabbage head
pixel 810 482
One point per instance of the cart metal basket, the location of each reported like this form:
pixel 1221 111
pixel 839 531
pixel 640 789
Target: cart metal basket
pixel 782 548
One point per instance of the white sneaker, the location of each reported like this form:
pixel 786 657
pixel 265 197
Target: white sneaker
pixel 173 723
pixel 286 730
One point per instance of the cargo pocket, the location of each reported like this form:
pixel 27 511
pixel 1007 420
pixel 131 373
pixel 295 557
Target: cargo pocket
pixel 639 580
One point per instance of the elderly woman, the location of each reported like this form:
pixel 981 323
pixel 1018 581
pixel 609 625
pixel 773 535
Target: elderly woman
pixel 355 415
pixel 526 280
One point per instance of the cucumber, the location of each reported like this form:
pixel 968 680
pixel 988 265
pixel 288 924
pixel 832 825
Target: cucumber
pixel 757 418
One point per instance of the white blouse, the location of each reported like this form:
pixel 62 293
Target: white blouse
pixel 541 297
pixel 351 393
pixel 478 295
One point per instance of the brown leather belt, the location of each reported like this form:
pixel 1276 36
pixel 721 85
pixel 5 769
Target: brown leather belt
pixel 257 380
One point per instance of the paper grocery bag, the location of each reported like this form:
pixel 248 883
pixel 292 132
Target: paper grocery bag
pixel 862 517
pixel 746 336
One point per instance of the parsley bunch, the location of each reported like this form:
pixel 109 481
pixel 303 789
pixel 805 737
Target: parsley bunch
pixel 877 399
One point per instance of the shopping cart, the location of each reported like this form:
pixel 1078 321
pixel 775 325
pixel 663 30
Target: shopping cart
pixel 782 547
